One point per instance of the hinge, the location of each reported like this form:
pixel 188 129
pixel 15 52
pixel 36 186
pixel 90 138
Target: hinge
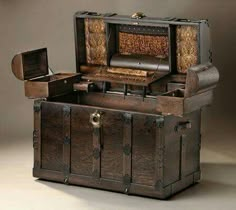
pixel 37 105
pixel 66 111
pixel 127 149
pixel 160 122
pixel 127 118
pixel 66 140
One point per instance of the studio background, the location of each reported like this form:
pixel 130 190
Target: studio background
pixel 28 24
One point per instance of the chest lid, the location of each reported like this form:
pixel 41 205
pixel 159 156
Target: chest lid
pixel 31 64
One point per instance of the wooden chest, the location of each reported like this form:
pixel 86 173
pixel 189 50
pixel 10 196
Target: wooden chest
pixel 130 120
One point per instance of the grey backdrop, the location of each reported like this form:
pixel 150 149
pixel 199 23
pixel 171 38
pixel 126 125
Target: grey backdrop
pixel 28 24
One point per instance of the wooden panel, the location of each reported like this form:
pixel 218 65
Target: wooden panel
pixel 52 137
pixel 112 136
pixel 81 141
pixel 192 141
pixel 182 155
pixel 125 79
pixel 51 86
pixel 143 151
pixel 172 158
pixel 120 102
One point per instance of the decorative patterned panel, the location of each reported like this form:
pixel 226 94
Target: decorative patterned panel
pixel 143 44
pixel 187 47
pixel 95 41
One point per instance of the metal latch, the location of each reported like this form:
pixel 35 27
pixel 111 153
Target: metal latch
pixel 96 119
pixel 138 15
pixel 93 13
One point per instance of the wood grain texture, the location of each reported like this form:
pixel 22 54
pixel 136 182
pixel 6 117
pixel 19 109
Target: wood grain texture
pixel 52 137
pixel 81 141
pixel 201 78
pixel 143 150
pixel 111 157
pixel 51 86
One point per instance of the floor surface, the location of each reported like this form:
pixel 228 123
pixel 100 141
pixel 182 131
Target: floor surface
pixel 20 191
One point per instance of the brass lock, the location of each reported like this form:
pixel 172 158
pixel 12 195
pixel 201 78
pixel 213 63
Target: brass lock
pixel 96 119
pixel 138 15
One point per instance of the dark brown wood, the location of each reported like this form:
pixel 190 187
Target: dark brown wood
pixel 31 64
pixel 124 79
pixel 200 79
pixel 174 103
pixel 125 163
pixel 51 86
pixel 124 131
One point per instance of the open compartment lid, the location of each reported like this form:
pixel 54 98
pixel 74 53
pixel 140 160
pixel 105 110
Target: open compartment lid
pixel 31 64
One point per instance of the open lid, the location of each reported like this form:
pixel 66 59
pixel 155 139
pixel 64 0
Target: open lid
pixel 31 64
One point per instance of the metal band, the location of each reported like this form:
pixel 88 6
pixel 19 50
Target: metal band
pixel 159 154
pixel 127 151
pixel 37 134
pixel 66 142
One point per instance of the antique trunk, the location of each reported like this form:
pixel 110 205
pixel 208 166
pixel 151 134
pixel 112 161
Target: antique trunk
pixel 129 120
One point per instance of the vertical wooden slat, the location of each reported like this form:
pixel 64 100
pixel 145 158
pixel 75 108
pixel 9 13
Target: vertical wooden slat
pixel 159 154
pixel 127 148
pixel 67 141
pixel 37 134
pixel 97 152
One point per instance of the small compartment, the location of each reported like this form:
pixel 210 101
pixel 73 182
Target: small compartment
pixel 32 66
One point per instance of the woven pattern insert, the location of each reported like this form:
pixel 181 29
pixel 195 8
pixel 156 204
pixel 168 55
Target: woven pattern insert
pixel 187 50
pixel 143 44
pixel 95 41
